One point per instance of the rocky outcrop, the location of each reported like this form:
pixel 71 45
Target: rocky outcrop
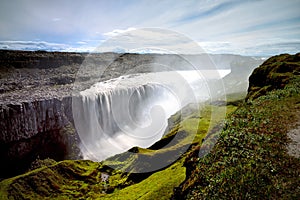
pixel 274 73
pixel 26 119
pixel 36 129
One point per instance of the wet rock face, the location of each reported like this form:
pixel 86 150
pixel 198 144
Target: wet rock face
pixel 36 129
pixel 24 120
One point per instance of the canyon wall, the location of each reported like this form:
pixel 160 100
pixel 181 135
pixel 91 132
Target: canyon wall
pixel 35 97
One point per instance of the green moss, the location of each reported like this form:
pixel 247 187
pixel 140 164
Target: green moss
pixel 64 180
pixel 38 163
pixel 235 96
pixel 159 185
pixel 258 91
pixel 250 159
pixel 275 73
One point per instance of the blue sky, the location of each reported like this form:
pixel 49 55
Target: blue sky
pixel 247 27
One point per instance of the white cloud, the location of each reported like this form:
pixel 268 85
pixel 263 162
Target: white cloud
pixel 81 42
pixel 80 49
pixel 151 40
pixel 118 32
pixel 265 48
pixel 31 45
pixel 42 45
pixel 215 47
pixel 220 26
pixel 56 19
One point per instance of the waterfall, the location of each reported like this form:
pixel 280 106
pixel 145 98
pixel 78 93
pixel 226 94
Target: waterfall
pixel 114 116
pixel 111 122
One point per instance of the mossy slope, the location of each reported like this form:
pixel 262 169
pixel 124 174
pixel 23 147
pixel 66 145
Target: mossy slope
pixel 250 159
pixel 63 180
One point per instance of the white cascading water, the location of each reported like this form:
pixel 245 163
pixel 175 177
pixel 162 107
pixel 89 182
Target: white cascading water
pixel 114 116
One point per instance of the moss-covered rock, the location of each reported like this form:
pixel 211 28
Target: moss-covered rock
pixel 63 180
pixel 274 73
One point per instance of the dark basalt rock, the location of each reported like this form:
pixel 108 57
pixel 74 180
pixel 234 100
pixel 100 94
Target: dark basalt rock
pixel 36 129
pixel 26 119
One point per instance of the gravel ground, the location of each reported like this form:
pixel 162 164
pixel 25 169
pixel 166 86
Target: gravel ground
pixel 294 146
pixel 34 84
